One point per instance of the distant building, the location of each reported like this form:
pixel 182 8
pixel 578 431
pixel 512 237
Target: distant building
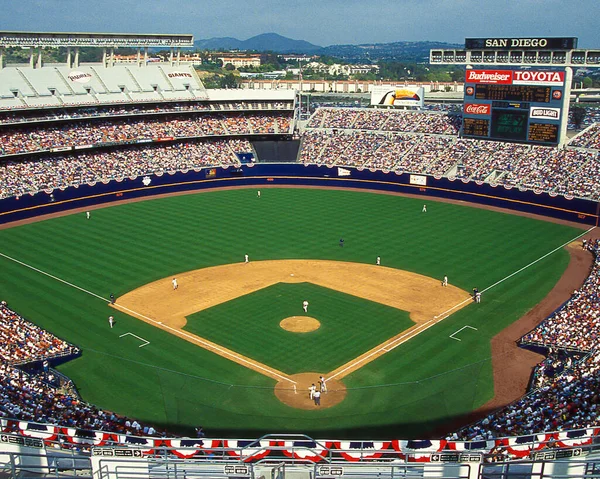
pixel 339 69
pixel 241 60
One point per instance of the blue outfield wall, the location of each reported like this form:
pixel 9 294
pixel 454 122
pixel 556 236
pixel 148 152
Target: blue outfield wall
pixel 58 200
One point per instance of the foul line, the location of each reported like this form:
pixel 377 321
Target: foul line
pixel 207 344
pixel 54 277
pixel 231 354
pixel 456 332
pixel 146 343
pixel 387 347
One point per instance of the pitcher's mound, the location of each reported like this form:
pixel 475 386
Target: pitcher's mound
pixel 299 398
pixel 300 324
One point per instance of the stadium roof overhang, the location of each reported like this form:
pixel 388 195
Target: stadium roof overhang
pixel 83 39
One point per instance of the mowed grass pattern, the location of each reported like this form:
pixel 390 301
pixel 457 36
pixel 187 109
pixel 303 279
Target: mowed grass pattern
pixel 249 325
pixel 174 383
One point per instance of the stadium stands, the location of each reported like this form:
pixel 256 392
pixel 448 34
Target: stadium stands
pixel 425 143
pixel 23 176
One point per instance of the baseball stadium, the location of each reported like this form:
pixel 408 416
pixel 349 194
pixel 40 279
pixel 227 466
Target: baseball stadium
pixel 202 283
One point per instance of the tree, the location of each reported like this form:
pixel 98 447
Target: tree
pixel 578 114
pixel 587 82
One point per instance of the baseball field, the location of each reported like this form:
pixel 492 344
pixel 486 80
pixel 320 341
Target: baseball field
pixel 232 349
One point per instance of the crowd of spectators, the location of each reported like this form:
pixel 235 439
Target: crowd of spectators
pixel 575 326
pixel 570 401
pixel 53 114
pixel 31 396
pixel 588 138
pixel 35 174
pixel 23 342
pixel 88 133
pixel 385 120
pixel 565 388
pixel 574 172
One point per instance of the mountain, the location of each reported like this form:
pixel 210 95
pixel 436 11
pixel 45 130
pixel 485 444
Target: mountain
pixel 265 42
pixel 368 52
pixel 218 43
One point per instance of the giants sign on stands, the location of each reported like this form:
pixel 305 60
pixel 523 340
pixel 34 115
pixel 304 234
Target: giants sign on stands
pixel 502 77
pixel 179 75
pixel 477 109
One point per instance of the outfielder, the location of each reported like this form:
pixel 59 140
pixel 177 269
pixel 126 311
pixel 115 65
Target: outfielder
pixel 87 215
pixel 424 209
pixel 111 321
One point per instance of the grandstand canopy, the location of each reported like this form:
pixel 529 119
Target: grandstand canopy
pixel 83 39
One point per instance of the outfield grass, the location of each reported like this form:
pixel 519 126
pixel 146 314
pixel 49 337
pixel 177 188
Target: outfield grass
pixel 174 383
pixel 249 325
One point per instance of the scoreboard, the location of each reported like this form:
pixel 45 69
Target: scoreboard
pixel 514 105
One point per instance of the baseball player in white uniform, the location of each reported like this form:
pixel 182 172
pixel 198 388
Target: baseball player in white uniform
pixel 246 259
pixel 445 281
pixel 311 391
pixel 424 208
pixel 111 321
pixel 378 262
pixel 323 384
pixel 258 193
pixel 87 215
pixel 305 306
pixel 175 285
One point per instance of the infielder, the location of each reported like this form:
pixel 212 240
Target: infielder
pixel 175 285
pixel 378 262
pixel 322 384
pixel 305 306
pixel 111 321
pixel 445 281
pixel 246 259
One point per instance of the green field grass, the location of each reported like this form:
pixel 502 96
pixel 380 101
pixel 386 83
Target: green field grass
pixel 249 325
pixel 175 384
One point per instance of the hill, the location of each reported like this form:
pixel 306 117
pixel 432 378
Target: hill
pixel 265 42
pixel 273 42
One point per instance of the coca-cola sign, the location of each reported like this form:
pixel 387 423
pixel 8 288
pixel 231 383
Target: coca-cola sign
pixel 503 77
pixel 477 109
pixel 536 77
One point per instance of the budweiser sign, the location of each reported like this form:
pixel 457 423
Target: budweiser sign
pixel 477 109
pixel 490 76
pixel 533 77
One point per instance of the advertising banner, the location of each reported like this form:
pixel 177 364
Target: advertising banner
pixel 412 96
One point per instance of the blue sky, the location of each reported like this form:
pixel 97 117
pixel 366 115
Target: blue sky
pixel 323 22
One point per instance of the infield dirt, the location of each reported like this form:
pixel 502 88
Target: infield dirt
pixel 426 300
